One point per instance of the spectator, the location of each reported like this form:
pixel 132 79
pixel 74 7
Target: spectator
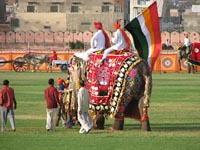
pixel 8 103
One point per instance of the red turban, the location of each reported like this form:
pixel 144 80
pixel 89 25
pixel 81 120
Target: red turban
pixel 98 25
pixel 116 25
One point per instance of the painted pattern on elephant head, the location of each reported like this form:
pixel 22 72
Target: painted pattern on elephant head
pixel 133 84
pixel 133 90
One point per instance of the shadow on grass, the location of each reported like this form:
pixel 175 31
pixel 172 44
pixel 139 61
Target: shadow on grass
pixel 176 127
pixel 167 127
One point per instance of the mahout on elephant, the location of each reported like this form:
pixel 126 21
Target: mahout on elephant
pixel 191 55
pixel 120 87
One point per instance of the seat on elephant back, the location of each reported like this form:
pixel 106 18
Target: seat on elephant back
pixel 102 78
pixel 194 58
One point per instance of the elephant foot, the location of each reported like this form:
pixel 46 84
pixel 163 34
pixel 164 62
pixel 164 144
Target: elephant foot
pixel 100 122
pixel 111 128
pixel 145 125
pixel 118 125
pixel 98 128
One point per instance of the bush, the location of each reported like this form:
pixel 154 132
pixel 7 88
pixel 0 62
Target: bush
pixel 79 45
pixel 72 45
pixel 76 45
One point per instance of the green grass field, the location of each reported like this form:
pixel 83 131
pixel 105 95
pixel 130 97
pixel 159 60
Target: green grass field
pixel 174 116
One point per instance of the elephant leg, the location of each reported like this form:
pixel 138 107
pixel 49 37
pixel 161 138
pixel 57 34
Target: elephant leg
pixel 34 68
pixel 179 63
pixel 189 68
pixel 145 124
pixel 100 121
pixel 117 125
pixel 38 68
pixel 192 69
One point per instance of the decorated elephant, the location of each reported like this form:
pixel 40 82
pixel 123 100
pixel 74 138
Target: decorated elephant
pixel 121 88
pixel 184 53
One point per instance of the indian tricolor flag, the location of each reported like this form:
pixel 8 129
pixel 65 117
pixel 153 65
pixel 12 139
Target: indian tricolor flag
pixel 145 30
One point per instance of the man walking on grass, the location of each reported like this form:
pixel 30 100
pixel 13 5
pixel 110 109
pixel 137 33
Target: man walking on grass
pixel 8 103
pixel 83 106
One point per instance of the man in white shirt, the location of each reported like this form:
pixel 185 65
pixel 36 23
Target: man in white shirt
pixel 99 41
pixel 186 41
pixel 120 40
pixel 186 47
pixel 83 106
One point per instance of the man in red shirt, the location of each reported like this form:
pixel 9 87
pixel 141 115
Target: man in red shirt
pixel 8 103
pixel 52 101
pixel 54 57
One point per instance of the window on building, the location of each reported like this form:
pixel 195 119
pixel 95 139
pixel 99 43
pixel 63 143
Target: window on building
pixel 143 2
pixel 139 10
pixel 118 8
pixel 54 8
pixel 85 23
pixel 30 8
pixel 105 8
pixel 74 8
pixel 47 27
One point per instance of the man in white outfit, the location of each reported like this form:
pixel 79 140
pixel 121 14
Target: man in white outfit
pixel 120 41
pixel 99 41
pixel 186 41
pixel 83 106
pixel 185 49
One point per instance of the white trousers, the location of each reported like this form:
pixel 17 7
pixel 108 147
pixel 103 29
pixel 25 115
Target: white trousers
pixel 10 114
pixel 51 119
pixel 85 121
pixel 90 51
pixel 107 51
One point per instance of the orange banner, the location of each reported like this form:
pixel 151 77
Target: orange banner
pixel 3 59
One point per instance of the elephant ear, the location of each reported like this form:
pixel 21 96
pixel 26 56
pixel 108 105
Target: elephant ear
pixel 119 84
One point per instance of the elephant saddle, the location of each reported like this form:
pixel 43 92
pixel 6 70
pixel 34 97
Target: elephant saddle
pixel 194 58
pixel 102 78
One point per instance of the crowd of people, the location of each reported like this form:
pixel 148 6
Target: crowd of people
pixel 54 106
